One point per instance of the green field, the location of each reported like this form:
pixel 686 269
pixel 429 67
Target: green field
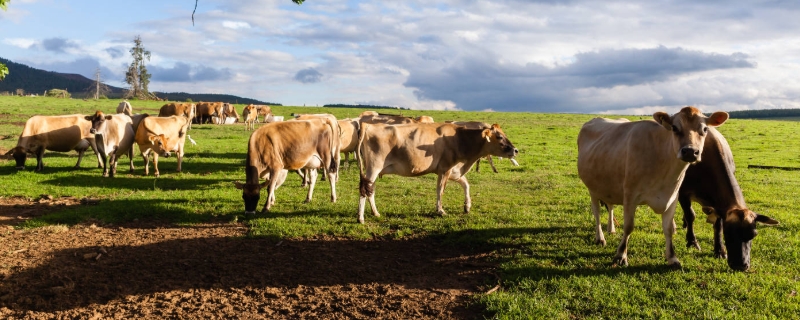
pixel 536 217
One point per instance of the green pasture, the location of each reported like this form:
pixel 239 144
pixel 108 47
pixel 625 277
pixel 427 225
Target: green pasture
pixel 535 219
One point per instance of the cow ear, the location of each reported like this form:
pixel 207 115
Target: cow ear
pixel 717 118
pixel 711 217
pixel 152 139
pixel 663 119
pixel 89 118
pixel 766 220
pixel 487 133
pixel 238 185
pixel 10 152
pixel 264 184
pixel 108 117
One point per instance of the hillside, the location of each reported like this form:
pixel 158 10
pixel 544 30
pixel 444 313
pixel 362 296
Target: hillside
pixel 37 81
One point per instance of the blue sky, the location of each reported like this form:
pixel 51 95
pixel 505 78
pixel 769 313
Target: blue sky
pixel 582 56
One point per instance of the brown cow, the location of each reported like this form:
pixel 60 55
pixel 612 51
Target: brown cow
pixel 160 136
pixel 228 111
pixel 250 114
pixel 712 184
pixel 642 162
pixel 54 133
pixel 263 110
pixel 279 146
pixel 335 147
pixel 374 117
pixel 188 110
pixel 412 150
pixel 114 136
pixel 207 111
pixel 480 125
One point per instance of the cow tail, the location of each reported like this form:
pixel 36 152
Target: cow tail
pixel 334 166
pixel 362 129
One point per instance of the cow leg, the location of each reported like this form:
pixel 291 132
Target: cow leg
pixel 39 156
pixel 332 181
pixel 180 158
pixel 441 182
pixel 668 227
pixel 462 180
pixel 688 222
pixel 611 227
pixel 80 157
pixel 367 190
pixel 629 212
pixel 273 183
pixel 302 174
pixel 130 157
pixel 312 174
pixel 599 238
pixel 155 164
pixel 95 148
pixel 146 156
pixel 719 249
pixel 491 163
pixel 112 165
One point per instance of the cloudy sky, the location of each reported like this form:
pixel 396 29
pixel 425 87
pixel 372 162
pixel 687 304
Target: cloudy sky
pixel 631 57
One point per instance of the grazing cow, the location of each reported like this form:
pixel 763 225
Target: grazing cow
pixel 424 119
pixel 54 133
pixel 480 125
pixel 229 111
pixel 250 114
pixel 348 140
pixel 160 136
pixel 411 150
pixel 207 111
pixel 330 120
pixel 712 184
pixel 188 110
pixel 125 107
pixel 642 162
pixel 291 145
pixel 263 110
pixel 374 117
pixel 113 136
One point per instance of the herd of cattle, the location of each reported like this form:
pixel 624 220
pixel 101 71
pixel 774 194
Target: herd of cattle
pixel 673 160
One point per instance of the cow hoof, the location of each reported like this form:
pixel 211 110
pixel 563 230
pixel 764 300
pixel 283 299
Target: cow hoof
pixel 721 255
pixel 307 201
pixel 333 199
pixel 695 244
pixel 674 265
pixel 361 220
pixel 601 242
pixel 376 214
pixel 620 261
pixel 105 175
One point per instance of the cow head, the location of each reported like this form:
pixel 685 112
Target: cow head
pixel 251 193
pixel 689 128
pixel 20 155
pixel 739 229
pixel 499 143
pixel 160 144
pixel 98 119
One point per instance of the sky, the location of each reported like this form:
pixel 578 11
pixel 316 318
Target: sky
pixel 572 56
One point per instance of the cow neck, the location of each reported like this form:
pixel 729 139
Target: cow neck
pixel 250 171
pixel 729 193
pixel 471 145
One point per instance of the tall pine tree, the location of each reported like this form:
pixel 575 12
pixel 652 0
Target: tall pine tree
pixel 137 76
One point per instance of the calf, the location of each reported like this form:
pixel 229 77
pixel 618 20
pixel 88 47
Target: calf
pixel 712 183
pixel 250 114
pixel 409 150
pixel 114 136
pixel 54 133
pixel 642 162
pixel 161 136
pixel 292 145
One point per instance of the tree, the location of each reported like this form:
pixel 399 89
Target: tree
pixel 3 68
pixel 99 88
pixel 137 76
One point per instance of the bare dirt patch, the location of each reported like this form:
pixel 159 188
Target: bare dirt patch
pixel 214 271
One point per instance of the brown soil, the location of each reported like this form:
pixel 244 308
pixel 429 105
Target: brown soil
pixel 213 271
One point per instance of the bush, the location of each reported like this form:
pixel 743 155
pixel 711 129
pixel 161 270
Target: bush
pixel 58 93
pixel 189 100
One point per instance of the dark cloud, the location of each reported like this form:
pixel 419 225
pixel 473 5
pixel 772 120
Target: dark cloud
pixel 183 72
pixel 58 45
pixel 479 82
pixel 115 52
pixel 309 75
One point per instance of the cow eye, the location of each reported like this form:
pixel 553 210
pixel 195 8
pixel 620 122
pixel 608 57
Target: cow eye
pixel 675 129
pixel 705 129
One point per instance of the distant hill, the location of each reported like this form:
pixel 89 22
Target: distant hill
pixel 361 106
pixel 765 113
pixel 37 81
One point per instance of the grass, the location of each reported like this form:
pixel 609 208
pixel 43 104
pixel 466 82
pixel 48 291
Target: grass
pixel 536 217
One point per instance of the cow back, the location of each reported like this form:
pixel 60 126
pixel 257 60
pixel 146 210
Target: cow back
pixel 55 133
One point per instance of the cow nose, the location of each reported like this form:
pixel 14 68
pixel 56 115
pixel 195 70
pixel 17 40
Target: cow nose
pixel 166 154
pixel 92 130
pixel 689 154
pixel 516 151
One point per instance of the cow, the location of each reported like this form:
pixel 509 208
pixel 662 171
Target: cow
pixel 263 110
pixel 54 133
pixel 125 107
pixel 279 146
pixel 642 162
pixel 411 150
pixel 228 111
pixel 250 114
pixel 207 111
pixel 188 110
pixel 374 117
pixel 161 136
pixel 114 136
pixel 479 125
pixel 712 183
pixel 348 141
pixel 424 119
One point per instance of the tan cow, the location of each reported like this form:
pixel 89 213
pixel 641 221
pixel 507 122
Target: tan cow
pixel 642 162
pixel 188 110
pixel 207 111
pixel 229 111
pixel 480 125
pixel 424 119
pixel 161 136
pixel 348 141
pixel 263 110
pixel 411 150
pixel 54 133
pixel 374 117
pixel 125 107
pixel 337 133
pixel 250 115
pixel 277 147
pixel 114 136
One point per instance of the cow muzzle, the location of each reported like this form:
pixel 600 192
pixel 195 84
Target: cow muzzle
pixel 166 154
pixel 689 154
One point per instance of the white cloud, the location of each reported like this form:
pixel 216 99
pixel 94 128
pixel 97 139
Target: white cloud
pixel 235 25
pixel 20 42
